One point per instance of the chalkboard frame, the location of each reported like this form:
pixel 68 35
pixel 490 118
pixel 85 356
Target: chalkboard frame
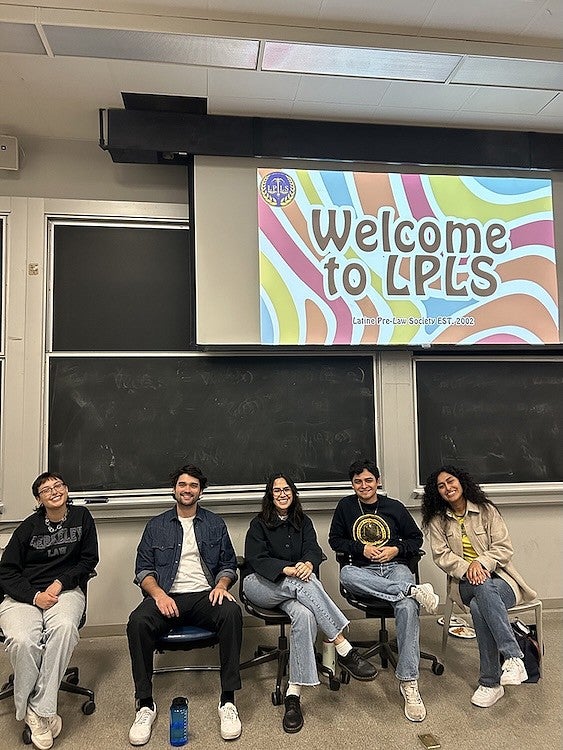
pixel 495 475
pixel 143 256
pixel 105 362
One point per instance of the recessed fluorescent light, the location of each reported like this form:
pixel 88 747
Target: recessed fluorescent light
pixel 20 37
pixel 153 46
pixel 502 71
pixel 358 62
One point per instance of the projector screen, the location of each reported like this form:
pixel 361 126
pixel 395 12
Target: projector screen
pixel 300 257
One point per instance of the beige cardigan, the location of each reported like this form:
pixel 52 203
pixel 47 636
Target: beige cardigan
pixel 489 537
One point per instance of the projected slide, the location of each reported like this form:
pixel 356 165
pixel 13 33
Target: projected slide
pixel 364 258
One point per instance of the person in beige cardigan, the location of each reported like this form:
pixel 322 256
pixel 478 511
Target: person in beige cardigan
pixel 471 544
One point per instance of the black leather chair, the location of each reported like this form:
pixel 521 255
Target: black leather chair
pixel 280 652
pixel 381 610
pixel 69 683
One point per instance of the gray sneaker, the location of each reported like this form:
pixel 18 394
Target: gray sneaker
pixel 41 734
pixel 425 596
pixel 414 707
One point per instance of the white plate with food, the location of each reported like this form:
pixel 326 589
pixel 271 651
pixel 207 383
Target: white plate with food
pixel 461 631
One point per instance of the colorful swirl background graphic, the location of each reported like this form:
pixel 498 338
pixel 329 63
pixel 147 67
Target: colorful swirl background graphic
pixel 298 301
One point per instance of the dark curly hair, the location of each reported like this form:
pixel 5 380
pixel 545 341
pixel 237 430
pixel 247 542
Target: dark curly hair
pixel 433 504
pixel 269 514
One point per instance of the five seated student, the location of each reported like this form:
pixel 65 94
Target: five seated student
pixel 283 555
pixel 43 573
pixel 379 535
pixel 471 544
pixel 185 566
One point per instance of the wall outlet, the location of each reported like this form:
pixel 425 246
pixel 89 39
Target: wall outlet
pixel 9 152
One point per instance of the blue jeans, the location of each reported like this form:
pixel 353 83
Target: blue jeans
pixel 488 603
pixel 391 582
pixel 308 606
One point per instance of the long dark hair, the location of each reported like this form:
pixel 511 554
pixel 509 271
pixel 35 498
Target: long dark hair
pixel 269 514
pixel 433 504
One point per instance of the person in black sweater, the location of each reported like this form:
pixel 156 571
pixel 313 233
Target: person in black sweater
pixel 379 535
pixel 43 576
pixel 283 557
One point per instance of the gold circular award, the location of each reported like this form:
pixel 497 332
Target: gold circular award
pixel 371 529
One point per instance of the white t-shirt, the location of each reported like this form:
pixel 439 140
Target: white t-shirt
pixel 190 577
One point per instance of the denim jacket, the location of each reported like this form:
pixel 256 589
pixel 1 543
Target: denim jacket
pixel 158 553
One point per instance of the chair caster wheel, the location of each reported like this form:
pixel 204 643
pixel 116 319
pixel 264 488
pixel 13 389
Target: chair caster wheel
pixel 345 677
pixel 277 698
pixel 88 707
pixel 438 668
pixel 333 684
pixel 26 735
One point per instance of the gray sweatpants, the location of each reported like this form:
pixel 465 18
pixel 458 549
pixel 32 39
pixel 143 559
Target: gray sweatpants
pixel 39 644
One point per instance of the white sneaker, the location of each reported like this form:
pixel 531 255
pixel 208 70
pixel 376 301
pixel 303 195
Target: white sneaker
pixel 513 672
pixel 425 596
pixel 56 724
pixel 230 722
pixel 140 732
pixel 485 697
pixel 41 734
pixel 414 707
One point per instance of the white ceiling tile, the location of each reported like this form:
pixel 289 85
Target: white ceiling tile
pixel 480 19
pixel 158 78
pixel 507 101
pixel 347 91
pixel 547 23
pixel 426 95
pixel 331 111
pixel 20 37
pixel 494 120
pixel 252 84
pixel 250 107
pixel 257 10
pixel 385 16
pixel 412 116
pixel 554 108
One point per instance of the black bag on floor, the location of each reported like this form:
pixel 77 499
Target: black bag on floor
pixel 526 636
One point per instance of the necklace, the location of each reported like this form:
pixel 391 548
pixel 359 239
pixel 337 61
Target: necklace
pixel 364 510
pixel 58 527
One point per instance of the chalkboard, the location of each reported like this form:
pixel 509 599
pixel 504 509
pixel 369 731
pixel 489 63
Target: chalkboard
pixel 500 420
pixel 126 288
pixel 127 422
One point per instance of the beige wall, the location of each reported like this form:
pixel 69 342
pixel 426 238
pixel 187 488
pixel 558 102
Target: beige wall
pixel 79 179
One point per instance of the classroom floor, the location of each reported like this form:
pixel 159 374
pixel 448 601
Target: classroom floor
pixel 359 715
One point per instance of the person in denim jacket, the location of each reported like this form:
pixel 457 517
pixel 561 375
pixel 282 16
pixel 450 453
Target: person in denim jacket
pixel 185 566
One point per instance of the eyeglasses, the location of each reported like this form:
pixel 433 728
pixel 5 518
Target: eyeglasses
pixel 281 491
pixel 48 491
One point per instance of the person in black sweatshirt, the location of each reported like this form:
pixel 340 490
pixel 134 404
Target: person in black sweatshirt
pixel 43 575
pixel 379 535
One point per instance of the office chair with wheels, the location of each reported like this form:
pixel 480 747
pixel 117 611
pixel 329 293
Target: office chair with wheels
pixel 381 610
pixel 69 683
pixel 280 652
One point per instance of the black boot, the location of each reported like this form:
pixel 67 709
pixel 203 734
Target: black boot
pixel 292 718
pixel 357 666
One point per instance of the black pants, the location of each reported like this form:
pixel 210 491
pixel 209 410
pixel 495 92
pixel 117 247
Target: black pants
pixel 146 625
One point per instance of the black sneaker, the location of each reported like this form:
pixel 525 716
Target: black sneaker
pixel 292 718
pixel 357 666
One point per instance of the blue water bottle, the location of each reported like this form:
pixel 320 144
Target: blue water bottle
pixel 179 722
